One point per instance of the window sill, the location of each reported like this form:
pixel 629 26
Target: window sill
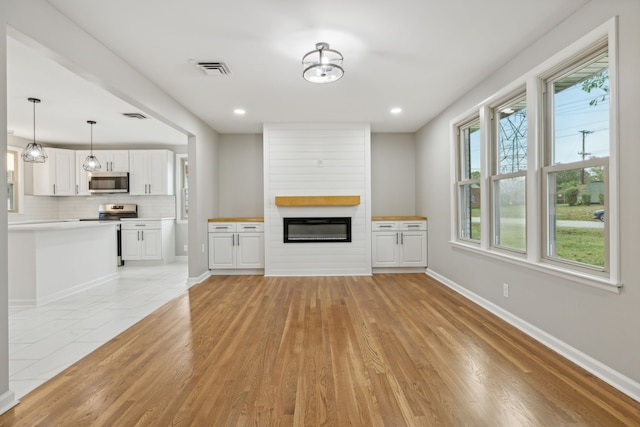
pixel 563 273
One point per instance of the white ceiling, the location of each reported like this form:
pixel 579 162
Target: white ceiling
pixel 419 55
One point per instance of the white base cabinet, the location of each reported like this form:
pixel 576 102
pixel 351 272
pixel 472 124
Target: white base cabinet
pixel 236 247
pixel 399 246
pixel 148 240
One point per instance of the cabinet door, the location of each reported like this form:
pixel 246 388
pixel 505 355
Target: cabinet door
pixel 413 249
pixel 151 244
pixel 150 172
pixel 130 245
pixel 82 176
pixel 384 249
pixel 159 181
pixel 250 250
pixel 65 172
pixel 137 172
pixel 222 250
pixel 115 160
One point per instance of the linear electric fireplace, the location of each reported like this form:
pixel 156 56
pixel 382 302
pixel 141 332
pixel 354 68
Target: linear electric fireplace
pixel 317 230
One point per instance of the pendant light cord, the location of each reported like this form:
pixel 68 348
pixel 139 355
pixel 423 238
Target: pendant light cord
pixel 34 121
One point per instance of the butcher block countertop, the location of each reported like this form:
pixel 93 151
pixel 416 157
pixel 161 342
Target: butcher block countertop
pixel 398 218
pixel 240 219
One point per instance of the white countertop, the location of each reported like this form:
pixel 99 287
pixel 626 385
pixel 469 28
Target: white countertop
pixel 57 225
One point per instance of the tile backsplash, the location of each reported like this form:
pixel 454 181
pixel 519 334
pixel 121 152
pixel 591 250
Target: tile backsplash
pixel 43 207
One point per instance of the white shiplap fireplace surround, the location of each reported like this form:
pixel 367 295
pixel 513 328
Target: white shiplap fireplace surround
pixel 327 159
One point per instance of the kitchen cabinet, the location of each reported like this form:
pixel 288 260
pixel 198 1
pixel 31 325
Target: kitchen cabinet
pixel 56 176
pixel 151 172
pixel 110 161
pixel 148 240
pixel 236 247
pixel 399 245
pixel 113 160
pixel 82 176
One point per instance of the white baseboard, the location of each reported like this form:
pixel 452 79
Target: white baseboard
pixel 7 401
pixel 237 272
pixel 191 281
pixel 612 377
pixel 62 294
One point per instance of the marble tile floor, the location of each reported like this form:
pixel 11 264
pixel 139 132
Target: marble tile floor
pixel 43 341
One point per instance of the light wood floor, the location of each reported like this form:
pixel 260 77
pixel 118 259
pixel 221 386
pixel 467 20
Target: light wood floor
pixel 392 350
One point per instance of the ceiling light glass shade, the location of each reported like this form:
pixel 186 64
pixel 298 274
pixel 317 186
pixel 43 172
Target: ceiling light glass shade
pixel 33 152
pixel 322 65
pixel 91 163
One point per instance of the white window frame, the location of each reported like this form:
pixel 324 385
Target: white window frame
pixel 464 181
pixel 19 196
pixel 180 217
pixel 535 190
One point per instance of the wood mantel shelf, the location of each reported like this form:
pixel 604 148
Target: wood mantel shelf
pixel 317 200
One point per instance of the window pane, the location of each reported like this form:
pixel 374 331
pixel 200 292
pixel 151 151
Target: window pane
pixel 470 212
pixel 471 151
pixel 184 194
pixel 512 137
pixel 510 226
pixel 581 113
pixel 576 232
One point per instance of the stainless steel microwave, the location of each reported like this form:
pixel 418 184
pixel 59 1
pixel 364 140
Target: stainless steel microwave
pixel 109 182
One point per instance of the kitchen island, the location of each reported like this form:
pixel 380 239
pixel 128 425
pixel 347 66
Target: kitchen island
pixel 51 260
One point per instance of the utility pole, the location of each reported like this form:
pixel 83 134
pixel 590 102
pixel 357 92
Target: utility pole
pixel 583 153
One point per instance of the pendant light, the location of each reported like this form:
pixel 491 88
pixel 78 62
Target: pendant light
pixel 33 152
pixel 91 163
pixel 322 65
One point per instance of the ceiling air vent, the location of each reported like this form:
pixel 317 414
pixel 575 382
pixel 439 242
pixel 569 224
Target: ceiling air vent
pixel 212 68
pixel 135 116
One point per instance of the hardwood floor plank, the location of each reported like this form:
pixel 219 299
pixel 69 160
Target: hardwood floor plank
pixel 387 350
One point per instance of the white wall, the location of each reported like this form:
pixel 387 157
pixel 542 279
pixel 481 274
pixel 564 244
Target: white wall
pixel 599 324
pixel 7 398
pixel 393 174
pixel 241 175
pixel 317 160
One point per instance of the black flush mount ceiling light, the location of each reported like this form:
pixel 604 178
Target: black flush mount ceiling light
pixel 91 163
pixel 322 65
pixel 33 152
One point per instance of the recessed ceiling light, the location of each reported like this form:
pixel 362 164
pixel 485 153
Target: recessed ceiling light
pixel 240 111
pixel 396 110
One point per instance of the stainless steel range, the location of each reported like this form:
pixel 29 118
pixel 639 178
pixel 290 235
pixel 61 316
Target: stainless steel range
pixel 115 212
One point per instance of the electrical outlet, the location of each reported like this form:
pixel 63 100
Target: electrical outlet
pixel 186 248
pixel 505 290
pixel 203 248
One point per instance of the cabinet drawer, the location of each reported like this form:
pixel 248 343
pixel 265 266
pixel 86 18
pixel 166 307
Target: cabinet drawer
pixel 249 227
pixel 413 225
pixel 138 225
pixel 384 226
pixel 222 227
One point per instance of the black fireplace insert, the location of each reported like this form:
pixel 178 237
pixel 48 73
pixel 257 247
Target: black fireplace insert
pixel 317 230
